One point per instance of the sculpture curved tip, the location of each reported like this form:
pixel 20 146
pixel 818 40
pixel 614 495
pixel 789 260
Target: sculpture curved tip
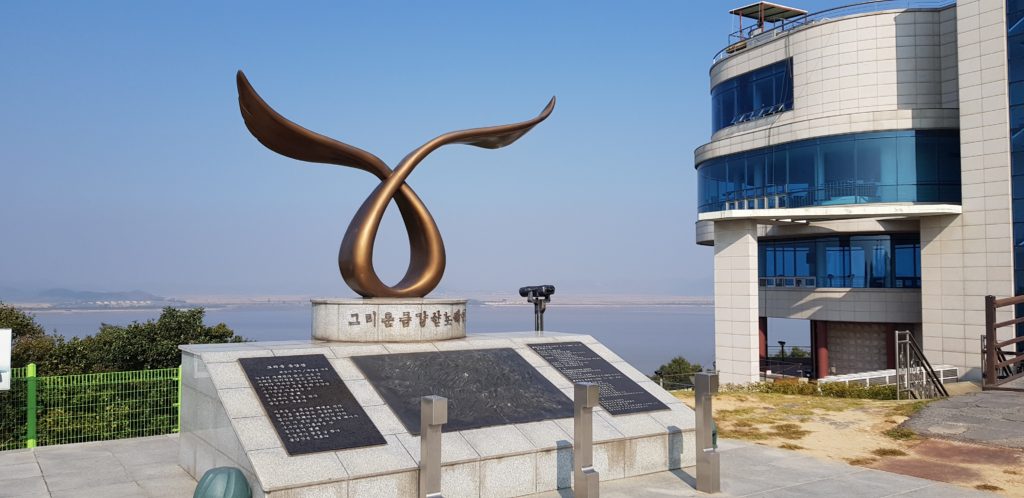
pixel 285 137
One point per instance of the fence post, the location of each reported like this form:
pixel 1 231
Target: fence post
pixel 990 341
pixel 585 479
pixel 177 428
pixel 708 464
pixel 433 415
pixel 30 422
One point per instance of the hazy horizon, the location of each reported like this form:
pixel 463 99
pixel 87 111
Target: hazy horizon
pixel 128 166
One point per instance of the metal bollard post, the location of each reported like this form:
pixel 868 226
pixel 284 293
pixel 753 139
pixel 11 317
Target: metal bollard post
pixel 708 476
pixel 586 480
pixel 433 414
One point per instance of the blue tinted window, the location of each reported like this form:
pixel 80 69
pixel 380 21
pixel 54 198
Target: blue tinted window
pixel 1015 63
pixel 858 261
pixel 758 93
pixel 860 168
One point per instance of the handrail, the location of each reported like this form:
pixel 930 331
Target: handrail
pixel 912 361
pixel 928 367
pixel 1006 301
pixel 782 26
pixel 995 361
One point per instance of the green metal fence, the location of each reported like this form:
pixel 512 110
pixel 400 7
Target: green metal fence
pixel 14 412
pixel 48 410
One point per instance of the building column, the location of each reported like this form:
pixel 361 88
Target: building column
pixel 736 306
pixel 890 346
pixel 820 340
pixel 762 337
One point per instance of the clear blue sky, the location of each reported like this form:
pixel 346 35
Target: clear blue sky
pixel 125 163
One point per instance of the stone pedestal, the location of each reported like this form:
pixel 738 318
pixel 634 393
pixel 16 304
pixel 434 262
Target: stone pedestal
pixel 224 423
pixel 388 319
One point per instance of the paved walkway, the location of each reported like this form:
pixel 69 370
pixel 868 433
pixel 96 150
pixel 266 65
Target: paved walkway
pixel 140 467
pixel 987 417
pixel 759 471
pixel 147 467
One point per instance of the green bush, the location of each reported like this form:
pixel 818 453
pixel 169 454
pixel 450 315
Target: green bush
pixel 841 390
pixel 129 387
pixel 676 373
pixel 829 390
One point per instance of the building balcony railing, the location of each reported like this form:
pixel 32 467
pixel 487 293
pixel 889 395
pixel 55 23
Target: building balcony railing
pixel 834 194
pixel 754 35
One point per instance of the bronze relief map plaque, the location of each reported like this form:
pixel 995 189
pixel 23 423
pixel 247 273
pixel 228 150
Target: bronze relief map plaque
pixel 578 363
pixel 309 405
pixel 484 387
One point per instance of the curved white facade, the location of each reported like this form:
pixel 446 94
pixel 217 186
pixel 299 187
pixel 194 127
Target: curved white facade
pixel 887 70
pixel 914 69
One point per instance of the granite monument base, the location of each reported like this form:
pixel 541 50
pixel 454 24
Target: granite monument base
pixel 388 319
pixel 225 422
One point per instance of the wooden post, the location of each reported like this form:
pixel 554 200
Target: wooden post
pixel 990 341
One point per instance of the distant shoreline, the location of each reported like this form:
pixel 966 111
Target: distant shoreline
pixel 58 309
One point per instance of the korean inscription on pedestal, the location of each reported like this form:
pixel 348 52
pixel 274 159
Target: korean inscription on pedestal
pixel 309 405
pixel 578 363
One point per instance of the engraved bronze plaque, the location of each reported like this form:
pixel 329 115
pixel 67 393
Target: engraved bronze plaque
pixel 578 363
pixel 309 405
pixel 484 387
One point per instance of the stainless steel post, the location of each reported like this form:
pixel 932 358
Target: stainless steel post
pixel 708 476
pixel 433 414
pixel 586 481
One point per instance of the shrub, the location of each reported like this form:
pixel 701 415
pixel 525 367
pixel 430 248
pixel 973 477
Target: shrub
pixel 900 433
pixel 829 390
pixel 842 390
pixel 885 452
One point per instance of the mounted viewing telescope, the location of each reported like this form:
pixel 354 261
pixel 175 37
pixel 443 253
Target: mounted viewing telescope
pixel 539 295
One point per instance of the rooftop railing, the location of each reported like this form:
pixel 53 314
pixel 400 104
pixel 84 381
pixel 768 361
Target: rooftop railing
pixel 755 35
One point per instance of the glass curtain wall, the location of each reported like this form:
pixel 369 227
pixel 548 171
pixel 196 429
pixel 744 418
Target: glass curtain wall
pixel 849 261
pixel 1015 66
pixel 755 94
pixel 858 168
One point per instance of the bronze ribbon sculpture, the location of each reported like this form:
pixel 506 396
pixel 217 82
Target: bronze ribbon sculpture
pixel 355 258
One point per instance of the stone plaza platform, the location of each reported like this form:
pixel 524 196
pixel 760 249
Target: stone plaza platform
pixel 148 467
pixel 224 424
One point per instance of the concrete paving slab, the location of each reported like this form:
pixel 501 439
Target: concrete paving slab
pixel 15 457
pixel 24 486
pixel 120 490
pixel 86 478
pixel 145 468
pixel 989 417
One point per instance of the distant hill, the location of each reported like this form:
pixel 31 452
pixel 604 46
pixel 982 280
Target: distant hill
pixel 73 296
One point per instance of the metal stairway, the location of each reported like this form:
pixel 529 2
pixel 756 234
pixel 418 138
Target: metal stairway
pixel 915 377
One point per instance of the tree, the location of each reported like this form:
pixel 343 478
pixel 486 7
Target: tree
pixel 22 324
pixel 148 345
pixel 30 341
pixel 137 346
pixel 676 370
pixel 798 352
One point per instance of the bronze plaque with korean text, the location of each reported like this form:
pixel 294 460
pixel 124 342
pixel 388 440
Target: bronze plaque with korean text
pixel 310 407
pixel 484 387
pixel 578 363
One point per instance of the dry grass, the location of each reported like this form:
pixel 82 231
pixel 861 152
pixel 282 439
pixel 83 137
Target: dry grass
pixel 888 452
pixel 788 431
pixel 988 487
pixel 859 432
pixel 861 462
pixel 908 409
pixel 900 433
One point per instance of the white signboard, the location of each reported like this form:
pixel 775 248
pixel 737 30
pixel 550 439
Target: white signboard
pixel 5 359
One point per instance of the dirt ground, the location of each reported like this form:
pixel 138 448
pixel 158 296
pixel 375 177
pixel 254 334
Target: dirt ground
pixel 864 433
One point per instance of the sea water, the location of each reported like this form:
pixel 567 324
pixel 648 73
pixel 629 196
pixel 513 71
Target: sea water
pixel 645 336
